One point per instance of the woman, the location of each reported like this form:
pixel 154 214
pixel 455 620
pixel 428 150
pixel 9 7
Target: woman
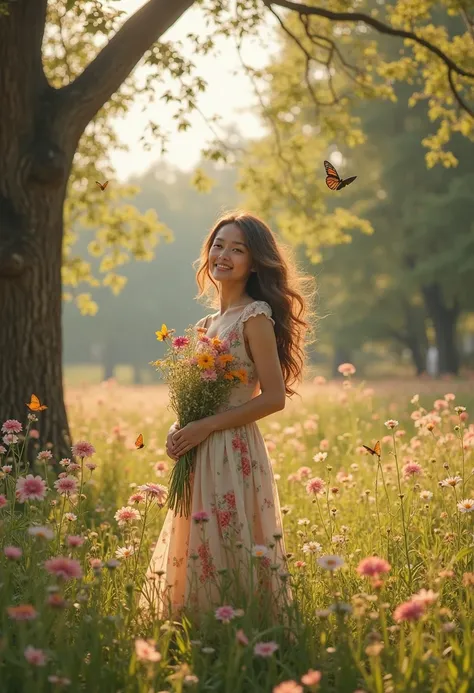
pixel 232 544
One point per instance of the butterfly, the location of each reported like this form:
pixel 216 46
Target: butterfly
pixel 376 450
pixel 139 444
pixel 102 186
pixel 333 179
pixel 35 404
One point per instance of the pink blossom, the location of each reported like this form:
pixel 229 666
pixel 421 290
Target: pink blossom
pixel 126 515
pixel 145 649
pixel 91 466
pixel 241 638
pixel 74 540
pixel 44 455
pixel 2 450
pixel 346 369
pixel 265 649
pixel 391 423
pixel 161 468
pixel 155 491
pixel 11 426
pixel 10 439
pixel 35 656
pixel 180 342
pixel 3 500
pixel 311 678
pixel 225 613
pixel 138 497
pixel 427 597
pixel 30 488
pixel 208 375
pixel 288 687
pixel 65 568
pixel 303 473
pixel 411 610
pixel 412 469
pixel 83 449
pixel 373 566
pixel 6 469
pixel 64 462
pixel 319 380
pixel 315 486
pixel 13 552
pixel 34 434
pixel 66 485
pixel 200 516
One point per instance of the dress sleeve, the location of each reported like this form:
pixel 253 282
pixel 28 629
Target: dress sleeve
pixel 256 308
pixel 202 322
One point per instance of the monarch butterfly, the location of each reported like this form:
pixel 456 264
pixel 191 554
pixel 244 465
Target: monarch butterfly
pixel 35 404
pixel 376 450
pixel 333 179
pixel 139 444
pixel 102 186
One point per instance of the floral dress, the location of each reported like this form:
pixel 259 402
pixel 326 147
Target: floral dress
pixel 238 549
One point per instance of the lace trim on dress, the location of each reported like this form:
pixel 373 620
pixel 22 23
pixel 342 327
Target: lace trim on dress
pixel 256 308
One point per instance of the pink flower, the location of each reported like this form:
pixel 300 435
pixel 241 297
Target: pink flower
pixel 155 491
pixel 22 612
pixel 180 342
pixel 90 465
pixel 83 449
pixel 225 613
pixel 3 500
pixel 44 455
pixel 265 649
pixel 13 552
pixel 241 638
pixel 315 486
pixel 161 468
pixel 66 485
pixel 34 434
pixel 138 497
pixel 373 566
pixel 65 568
pixel 74 540
pixel 200 516
pixel 30 488
pixel 145 649
pixel 35 657
pixel 208 375
pixel 64 462
pixel 427 597
pixel 411 469
pixel 11 426
pixel 411 610
pixel 10 439
pixel 311 678
pixel 391 423
pixel 126 515
pixel 346 369
pixel 288 687
pixel 6 469
pixel 2 450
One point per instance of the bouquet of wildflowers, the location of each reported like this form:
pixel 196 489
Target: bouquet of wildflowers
pixel 200 373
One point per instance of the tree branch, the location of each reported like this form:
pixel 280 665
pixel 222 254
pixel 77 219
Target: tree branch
pixel 104 75
pixel 382 28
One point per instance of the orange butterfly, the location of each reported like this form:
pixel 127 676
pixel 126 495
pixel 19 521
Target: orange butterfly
pixel 102 186
pixel 376 450
pixel 35 404
pixel 333 179
pixel 139 444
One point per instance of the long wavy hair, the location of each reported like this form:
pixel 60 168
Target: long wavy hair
pixel 276 280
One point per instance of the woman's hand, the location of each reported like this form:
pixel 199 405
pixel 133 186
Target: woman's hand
pixel 169 442
pixel 189 436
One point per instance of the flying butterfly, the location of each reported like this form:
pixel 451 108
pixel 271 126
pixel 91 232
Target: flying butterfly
pixel 139 444
pixel 376 450
pixel 102 186
pixel 35 404
pixel 333 179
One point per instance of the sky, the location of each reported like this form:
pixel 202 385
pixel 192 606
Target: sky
pixel 228 95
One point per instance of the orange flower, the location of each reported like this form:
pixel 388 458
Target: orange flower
pixel 241 374
pixel 223 359
pixel 205 361
pixel 23 612
pixel 229 376
pixel 216 342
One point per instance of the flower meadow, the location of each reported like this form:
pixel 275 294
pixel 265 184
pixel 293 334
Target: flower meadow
pixel 380 551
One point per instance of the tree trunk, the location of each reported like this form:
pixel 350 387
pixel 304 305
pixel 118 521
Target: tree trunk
pixel 416 339
pixel 445 325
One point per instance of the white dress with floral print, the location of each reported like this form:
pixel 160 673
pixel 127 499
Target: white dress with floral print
pixel 203 565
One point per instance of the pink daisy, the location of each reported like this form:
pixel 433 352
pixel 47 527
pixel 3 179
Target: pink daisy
pixel 66 485
pixel 225 613
pixel 241 638
pixel 412 469
pixel 208 375
pixel 34 434
pixel 126 515
pixel 311 678
pixel 138 497
pixel 35 656
pixel 65 568
pixel 315 486
pixel 265 649
pixel 44 455
pixel 145 649
pixel 10 439
pixel 373 566
pixel 346 369
pixel 30 487
pixel 155 492
pixel 200 516
pixel 11 426
pixel 3 500
pixel 13 552
pixel 180 342
pixel 83 449
pixel 411 610
pixel 74 540
pixel 2 450
pixel 22 612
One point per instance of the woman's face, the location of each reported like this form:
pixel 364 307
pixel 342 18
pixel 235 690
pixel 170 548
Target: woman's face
pixel 229 256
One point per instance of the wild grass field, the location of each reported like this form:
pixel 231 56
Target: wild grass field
pixel 380 552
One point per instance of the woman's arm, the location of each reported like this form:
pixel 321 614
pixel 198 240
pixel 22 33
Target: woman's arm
pixel 262 345
pixel 263 348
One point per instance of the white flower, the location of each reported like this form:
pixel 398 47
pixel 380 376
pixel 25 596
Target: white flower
pixel 330 562
pixel 125 551
pixel 391 423
pixel 259 551
pixel 320 456
pixel 466 505
pixel 311 547
pixel 426 495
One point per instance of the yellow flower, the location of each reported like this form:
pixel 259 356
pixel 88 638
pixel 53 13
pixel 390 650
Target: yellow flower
pixel 162 334
pixel 216 342
pixel 224 358
pixel 241 374
pixel 155 363
pixel 205 361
